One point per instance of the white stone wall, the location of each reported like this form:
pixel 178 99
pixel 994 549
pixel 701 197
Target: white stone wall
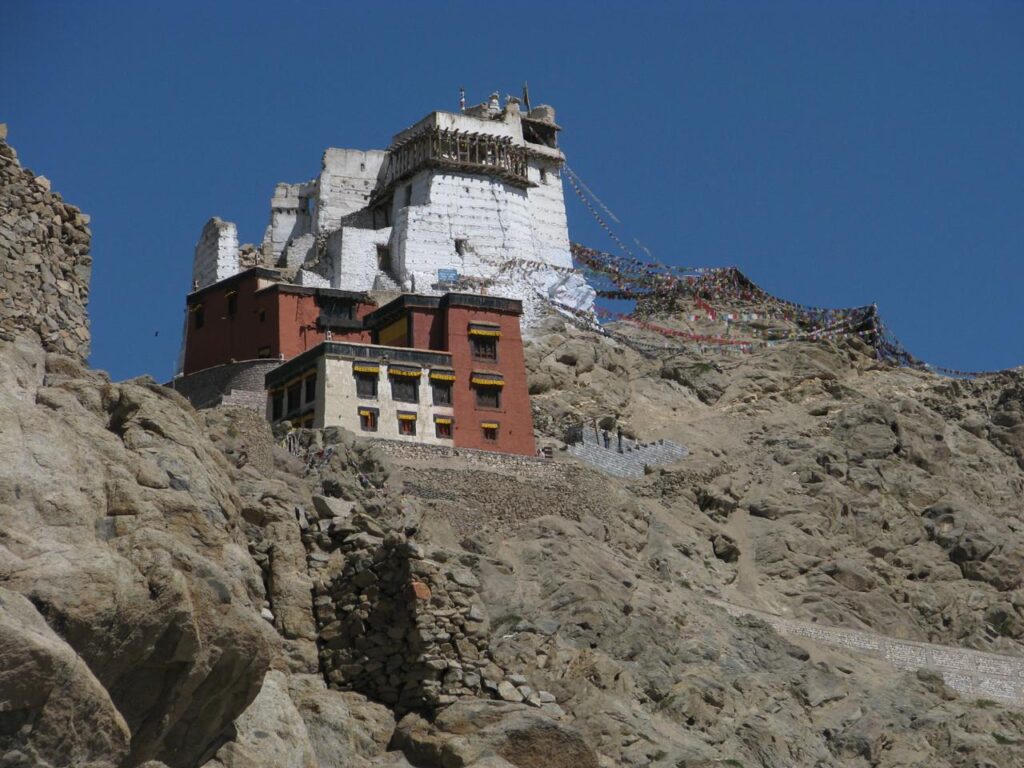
pixel 289 216
pixel 547 214
pixel 216 254
pixel 352 257
pixel 347 179
pixel 338 405
pixel 500 223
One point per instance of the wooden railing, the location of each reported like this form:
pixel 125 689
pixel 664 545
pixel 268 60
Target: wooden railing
pixel 458 151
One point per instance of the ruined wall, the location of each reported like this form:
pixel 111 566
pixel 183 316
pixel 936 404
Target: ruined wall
pixel 352 257
pixel 44 260
pixel 347 178
pixel 216 254
pixel 396 625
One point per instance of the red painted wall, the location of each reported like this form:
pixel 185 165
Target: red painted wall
pixel 428 329
pixel 226 337
pixel 515 434
pixel 288 327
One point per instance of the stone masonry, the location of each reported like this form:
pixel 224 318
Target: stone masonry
pixel 635 458
pixel 44 260
pixel 397 619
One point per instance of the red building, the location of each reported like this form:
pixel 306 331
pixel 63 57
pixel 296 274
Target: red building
pixel 252 316
pixel 453 364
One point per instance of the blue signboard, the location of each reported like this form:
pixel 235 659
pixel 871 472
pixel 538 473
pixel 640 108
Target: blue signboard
pixel 447 275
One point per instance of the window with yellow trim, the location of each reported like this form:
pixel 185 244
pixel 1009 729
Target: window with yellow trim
pixel 368 419
pixel 443 428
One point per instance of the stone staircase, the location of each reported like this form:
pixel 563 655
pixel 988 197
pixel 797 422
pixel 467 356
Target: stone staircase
pixel 385 282
pixel 631 462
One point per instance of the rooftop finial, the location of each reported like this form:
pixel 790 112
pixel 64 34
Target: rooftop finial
pixel 462 99
pixel 526 96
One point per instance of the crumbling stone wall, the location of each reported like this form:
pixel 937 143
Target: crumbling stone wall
pixel 44 260
pixel 407 629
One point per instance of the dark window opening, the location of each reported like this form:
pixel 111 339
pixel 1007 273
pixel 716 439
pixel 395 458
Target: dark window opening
pixel 488 397
pixel 366 386
pixel 408 195
pixel 263 352
pixel 335 311
pixel 405 389
pixel 294 397
pixel 407 427
pixel 444 429
pixel 277 405
pixel 460 246
pixel 442 392
pixel 383 258
pixel 310 389
pixel 543 176
pixel 367 420
pixel 490 434
pixel 484 347
pixel 200 317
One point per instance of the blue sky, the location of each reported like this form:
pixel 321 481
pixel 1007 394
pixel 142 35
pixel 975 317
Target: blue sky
pixel 838 152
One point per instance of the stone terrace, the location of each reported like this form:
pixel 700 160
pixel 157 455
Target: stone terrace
pixel 634 458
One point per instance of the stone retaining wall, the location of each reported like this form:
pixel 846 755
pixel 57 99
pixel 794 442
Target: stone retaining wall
pixel 473 458
pixel 44 260
pixel 971 673
pixel 238 383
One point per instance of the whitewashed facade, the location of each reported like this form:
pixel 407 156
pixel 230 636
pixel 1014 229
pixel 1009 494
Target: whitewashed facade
pixel 471 200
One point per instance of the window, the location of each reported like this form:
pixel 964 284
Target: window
pixel 543 176
pixel 407 424
pixel 310 389
pixel 484 347
pixel 200 316
pixel 263 352
pixel 366 386
pixel 490 430
pixel 408 195
pixel 405 389
pixel 232 303
pixel 443 427
pixel 442 392
pixel 294 395
pixel 276 405
pixel 488 397
pixel 460 246
pixel 368 419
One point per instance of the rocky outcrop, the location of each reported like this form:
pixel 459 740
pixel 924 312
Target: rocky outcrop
pixel 44 260
pixel 119 525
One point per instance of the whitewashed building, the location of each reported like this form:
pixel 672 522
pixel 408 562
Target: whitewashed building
pixel 469 201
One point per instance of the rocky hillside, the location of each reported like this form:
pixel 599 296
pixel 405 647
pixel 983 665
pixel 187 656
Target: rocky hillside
pixel 178 589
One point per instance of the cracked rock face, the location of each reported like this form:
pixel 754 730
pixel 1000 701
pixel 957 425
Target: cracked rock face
pixel 148 586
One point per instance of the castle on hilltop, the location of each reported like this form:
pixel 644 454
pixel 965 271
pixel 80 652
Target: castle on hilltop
pixel 421 264
pixel 469 201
